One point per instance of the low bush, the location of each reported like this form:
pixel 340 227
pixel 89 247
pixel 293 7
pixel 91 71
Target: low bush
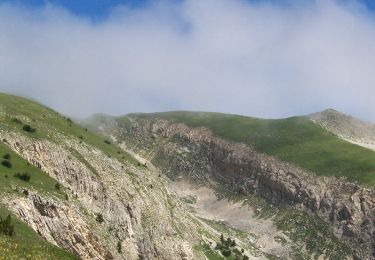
pixel 28 128
pixel 7 156
pixel 58 186
pixel 7 163
pixel 107 141
pixel 99 218
pixel 25 176
pixel 119 247
pixel 226 252
pixel 16 120
pixel 6 226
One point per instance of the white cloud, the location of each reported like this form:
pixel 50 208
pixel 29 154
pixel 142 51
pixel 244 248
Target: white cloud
pixel 217 55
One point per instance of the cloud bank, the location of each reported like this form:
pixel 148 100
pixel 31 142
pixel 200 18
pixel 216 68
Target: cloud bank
pixel 233 56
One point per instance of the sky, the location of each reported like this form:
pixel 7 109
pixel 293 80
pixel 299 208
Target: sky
pixel 263 58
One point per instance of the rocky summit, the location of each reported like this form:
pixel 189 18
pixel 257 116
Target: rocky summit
pixel 184 185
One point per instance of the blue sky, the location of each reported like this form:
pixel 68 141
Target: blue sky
pixel 98 10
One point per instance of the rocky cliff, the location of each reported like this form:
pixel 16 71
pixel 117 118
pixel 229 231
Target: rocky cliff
pixel 196 154
pixel 139 216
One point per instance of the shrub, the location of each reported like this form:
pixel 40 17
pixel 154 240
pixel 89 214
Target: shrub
pixel 119 247
pixel 107 141
pixel 226 252
pixel 28 128
pixel 7 164
pixel 7 156
pixel 6 226
pixel 58 186
pixel 23 176
pixel 245 257
pixel 69 120
pixel 99 218
pixel 16 120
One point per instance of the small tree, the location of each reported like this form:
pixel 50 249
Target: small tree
pixel 222 238
pixel 7 156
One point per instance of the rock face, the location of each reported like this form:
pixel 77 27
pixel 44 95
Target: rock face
pixel 196 154
pixel 141 218
pixel 346 127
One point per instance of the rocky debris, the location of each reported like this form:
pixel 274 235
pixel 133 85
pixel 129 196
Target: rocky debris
pixel 349 207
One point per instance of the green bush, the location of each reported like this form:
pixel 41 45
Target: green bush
pixel 107 141
pixel 7 156
pixel 7 164
pixel 23 176
pixel 58 186
pixel 99 218
pixel 6 226
pixel 28 128
pixel 226 252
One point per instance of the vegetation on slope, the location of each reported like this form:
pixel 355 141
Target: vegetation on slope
pixel 18 177
pixel 28 117
pixel 27 244
pixel 296 139
pixel 9 179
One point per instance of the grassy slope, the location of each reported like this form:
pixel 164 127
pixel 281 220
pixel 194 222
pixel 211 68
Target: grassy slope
pixel 296 139
pixel 15 112
pixel 47 121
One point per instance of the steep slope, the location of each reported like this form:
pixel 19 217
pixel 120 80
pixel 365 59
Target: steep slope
pixel 84 194
pixel 347 127
pixel 279 161
pixel 296 140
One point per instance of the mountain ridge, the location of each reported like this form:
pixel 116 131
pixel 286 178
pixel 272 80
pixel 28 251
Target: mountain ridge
pixel 109 195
